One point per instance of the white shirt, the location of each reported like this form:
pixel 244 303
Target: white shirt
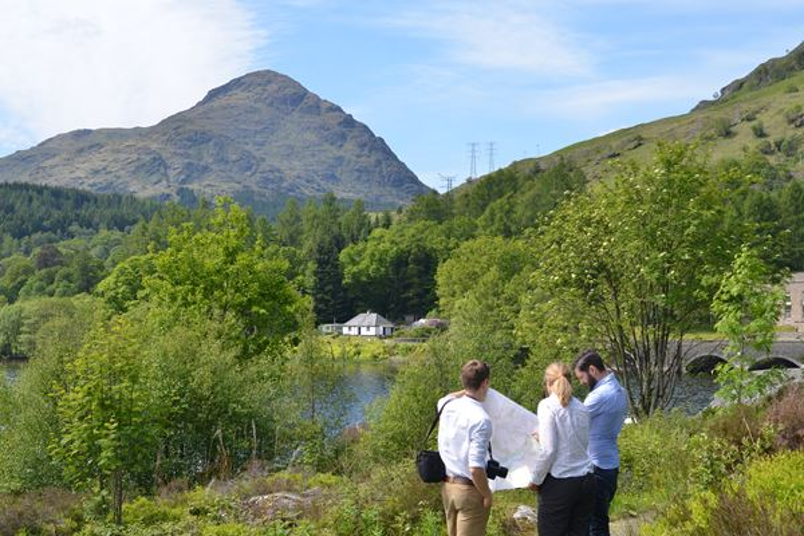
pixel 564 440
pixel 464 433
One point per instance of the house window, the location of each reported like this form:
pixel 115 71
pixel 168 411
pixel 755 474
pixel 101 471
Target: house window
pixel 788 307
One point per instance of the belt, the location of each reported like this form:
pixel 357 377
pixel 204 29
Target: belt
pixel 459 480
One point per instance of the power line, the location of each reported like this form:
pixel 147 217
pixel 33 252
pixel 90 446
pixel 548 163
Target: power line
pixel 491 145
pixel 446 182
pixel 473 159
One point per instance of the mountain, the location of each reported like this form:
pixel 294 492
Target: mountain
pixel 763 111
pixel 260 139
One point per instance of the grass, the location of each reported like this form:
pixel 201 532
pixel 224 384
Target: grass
pixel 740 112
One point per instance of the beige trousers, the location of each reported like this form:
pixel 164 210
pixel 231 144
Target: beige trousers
pixel 463 506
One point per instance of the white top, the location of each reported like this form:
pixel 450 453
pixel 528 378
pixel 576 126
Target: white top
pixel 464 433
pixel 564 438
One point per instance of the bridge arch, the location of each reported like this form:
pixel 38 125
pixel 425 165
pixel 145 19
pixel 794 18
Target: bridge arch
pixel 775 361
pixel 704 363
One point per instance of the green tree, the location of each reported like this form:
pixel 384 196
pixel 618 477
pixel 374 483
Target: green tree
pixel 639 260
pixel 225 273
pixel 355 223
pixel 289 224
pixel 747 307
pixel 107 429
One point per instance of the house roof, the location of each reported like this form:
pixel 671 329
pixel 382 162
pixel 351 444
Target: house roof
pixel 369 319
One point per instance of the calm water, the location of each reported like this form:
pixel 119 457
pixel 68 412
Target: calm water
pixel 363 384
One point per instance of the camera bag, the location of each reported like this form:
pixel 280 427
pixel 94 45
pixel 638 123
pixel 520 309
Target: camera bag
pixel 428 462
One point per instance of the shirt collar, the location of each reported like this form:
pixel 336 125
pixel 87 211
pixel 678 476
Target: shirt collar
pixel 608 378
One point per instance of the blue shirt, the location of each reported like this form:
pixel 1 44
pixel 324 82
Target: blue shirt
pixel 607 405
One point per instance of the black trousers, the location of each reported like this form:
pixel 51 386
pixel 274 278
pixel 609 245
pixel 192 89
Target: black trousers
pixel 605 488
pixel 565 505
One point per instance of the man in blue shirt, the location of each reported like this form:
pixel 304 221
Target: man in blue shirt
pixel 607 405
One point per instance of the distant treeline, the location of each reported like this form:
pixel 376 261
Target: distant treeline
pixel 27 209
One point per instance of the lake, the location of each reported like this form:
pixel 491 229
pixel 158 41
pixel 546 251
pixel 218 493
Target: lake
pixel 364 384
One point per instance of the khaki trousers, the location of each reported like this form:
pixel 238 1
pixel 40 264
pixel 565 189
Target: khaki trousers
pixel 463 506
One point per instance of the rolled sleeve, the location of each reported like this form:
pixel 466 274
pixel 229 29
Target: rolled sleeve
pixel 547 442
pixel 479 438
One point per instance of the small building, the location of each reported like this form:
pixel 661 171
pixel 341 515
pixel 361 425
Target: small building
pixel 793 312
pixel 329 329
pixel 368 324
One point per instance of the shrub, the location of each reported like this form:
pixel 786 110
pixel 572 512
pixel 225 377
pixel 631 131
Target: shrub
pixel 40 512
pixel 786 413
pixel 653 460
pixel 793 114
pixel 721 127
pixel 767 499
pixel 759 130
pixel 791 88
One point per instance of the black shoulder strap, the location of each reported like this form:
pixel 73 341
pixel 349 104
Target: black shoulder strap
pixel 435 421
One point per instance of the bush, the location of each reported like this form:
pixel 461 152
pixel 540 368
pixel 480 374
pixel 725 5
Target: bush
pixel 43 512
pixel 791 88
pixel 793 114
pixel 653 461
pixel 786 413
pixel 721 127
pixel 767 499
pixel 759 130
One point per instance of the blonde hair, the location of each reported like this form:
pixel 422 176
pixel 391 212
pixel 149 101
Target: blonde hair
pixel 556 381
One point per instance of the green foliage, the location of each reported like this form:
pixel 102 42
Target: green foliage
pixel 766 499
pixel 397 428
pixel 793 113
pixel 29 424
pixel 747 307
pixel 721 127
pixel 393 272
pixel 654 461
pixel 637 259
pixel 225 273
pixel 759 130
pixel 30 209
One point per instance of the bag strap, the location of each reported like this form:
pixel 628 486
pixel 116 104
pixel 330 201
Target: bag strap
pixel 435 422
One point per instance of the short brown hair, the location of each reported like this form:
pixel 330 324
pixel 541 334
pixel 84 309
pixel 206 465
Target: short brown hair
pixel 587 358
pixel 474 373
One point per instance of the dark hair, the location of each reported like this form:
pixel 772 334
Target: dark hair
pixel 587 358
pixel 474 373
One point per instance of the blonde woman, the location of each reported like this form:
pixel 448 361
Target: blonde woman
pixel 562 475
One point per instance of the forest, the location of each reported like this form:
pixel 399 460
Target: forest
pixel 175 374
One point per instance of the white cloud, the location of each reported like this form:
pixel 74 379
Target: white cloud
pixel 93 63
pixel 518 35
pixel 607 97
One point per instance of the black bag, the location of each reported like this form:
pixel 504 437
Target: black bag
pixel 428 462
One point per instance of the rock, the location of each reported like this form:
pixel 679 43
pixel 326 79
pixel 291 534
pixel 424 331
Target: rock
pixel 525 519
pixel 280 505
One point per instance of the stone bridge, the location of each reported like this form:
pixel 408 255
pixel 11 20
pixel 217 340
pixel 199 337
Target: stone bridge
pixel 704 356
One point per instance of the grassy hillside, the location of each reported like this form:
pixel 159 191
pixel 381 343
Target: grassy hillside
pixel 769 119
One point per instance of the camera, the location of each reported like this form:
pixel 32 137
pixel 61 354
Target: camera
pixel 494 470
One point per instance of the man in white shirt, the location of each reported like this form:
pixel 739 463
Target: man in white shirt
pixel 464 434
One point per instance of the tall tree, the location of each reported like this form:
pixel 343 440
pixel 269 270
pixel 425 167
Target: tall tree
pixel 639 260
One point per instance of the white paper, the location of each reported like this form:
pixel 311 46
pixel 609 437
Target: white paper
pixel 512 441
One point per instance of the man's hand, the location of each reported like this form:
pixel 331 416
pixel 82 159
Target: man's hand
pixel 487 500
pixel 482 485
pixel 534 487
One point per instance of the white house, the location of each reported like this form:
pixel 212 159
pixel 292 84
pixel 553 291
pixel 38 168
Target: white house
pixel 368 324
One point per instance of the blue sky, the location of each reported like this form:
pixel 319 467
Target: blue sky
pixel 429 77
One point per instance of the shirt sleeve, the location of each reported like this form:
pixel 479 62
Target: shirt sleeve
pixel 479 438
pixel 594 403
pixel 547 440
